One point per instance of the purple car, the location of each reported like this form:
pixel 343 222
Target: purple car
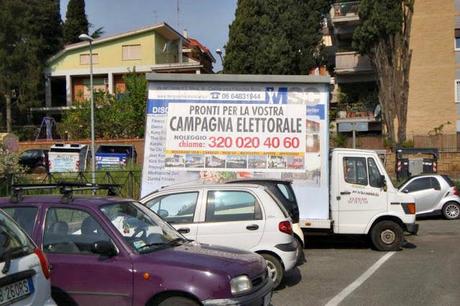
pixel 111 251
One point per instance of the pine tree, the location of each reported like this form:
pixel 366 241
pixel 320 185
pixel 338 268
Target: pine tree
pixel 76 22
pixel 384 35
pixel 275 37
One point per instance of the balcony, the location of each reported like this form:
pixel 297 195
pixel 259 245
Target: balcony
pixel 351 62
pixel 345 12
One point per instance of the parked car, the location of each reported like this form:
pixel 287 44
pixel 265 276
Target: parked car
pixel 24 269
pixel 231 215
pixel 283 191
pixel 113 156
pixel 113 251
pixel 434 194
pixel 35 160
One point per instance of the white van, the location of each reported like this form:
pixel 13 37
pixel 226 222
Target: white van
pixel 24 269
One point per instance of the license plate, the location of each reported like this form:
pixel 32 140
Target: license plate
pixel 16 291
pixel 267 299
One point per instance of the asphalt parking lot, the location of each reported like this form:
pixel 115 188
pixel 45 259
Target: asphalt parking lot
pixel 346 271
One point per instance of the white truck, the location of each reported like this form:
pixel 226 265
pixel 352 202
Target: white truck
pixel 273 127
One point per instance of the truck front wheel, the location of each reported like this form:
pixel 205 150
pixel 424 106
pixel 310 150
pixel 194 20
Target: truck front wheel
pixel 387 236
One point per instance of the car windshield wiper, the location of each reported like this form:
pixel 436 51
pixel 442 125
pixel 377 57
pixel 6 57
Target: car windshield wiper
pixel 176 241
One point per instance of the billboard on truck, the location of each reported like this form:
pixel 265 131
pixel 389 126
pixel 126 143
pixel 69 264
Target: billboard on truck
pixel 215 128
pixel 67 157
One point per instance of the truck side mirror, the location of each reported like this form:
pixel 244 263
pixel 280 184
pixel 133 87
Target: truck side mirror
pixel 382 182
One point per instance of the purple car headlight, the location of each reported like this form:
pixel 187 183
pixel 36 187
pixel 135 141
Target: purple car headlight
pixel 240 284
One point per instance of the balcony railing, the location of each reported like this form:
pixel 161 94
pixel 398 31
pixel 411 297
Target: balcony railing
pixel 350 62
pixel 344 11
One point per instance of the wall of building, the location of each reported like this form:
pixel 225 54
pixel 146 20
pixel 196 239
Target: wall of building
pixel 110 54
pixel 432 74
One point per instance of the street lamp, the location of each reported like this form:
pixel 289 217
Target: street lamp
pixel 219 52
pixel 86 37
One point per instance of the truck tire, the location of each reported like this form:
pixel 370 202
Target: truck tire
pixel 387 236
pixel 275 269
pixel 177 301
pixel 451 210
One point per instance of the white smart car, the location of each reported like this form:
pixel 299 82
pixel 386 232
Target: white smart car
pixel 242 216
pixel 24 270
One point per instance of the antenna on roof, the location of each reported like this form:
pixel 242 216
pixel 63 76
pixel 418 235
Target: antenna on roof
pixel 178 11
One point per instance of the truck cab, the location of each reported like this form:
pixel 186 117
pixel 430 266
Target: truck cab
pixel 363 200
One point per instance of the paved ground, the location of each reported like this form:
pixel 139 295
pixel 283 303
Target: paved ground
pixel 425 272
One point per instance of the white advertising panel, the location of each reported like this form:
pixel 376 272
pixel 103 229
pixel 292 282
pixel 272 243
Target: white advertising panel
pixel 213 132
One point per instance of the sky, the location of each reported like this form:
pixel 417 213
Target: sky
pixel 205 20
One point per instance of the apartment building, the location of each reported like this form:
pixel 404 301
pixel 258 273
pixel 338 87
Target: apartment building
pixel 158 48
pixel 434 94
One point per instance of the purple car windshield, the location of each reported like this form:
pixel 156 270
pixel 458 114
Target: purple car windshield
pixel 143 230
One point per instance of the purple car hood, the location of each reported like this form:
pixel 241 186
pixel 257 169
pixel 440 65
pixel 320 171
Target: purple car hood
pixel 215 259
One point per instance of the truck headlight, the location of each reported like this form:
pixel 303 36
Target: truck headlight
pixel 240 284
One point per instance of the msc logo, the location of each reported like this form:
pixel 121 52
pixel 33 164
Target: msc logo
pixel 273 96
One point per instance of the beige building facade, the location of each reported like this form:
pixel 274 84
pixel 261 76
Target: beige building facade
pixel 435 69
pixel 434 93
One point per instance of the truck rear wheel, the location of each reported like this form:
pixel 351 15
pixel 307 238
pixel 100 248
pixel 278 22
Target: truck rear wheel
pixel 387 236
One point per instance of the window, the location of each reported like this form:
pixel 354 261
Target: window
pixel 84 59
pixel 355 170
pixel 374 173
pixel 131 52
pixel 457 39
pixel 24 216
pixel 225 206
pixel 419 184
pixel 71 231
pixel 175 208
pixel 457 91
pixel 285 189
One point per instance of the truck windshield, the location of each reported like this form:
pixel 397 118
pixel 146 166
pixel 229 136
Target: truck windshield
pixel 142 229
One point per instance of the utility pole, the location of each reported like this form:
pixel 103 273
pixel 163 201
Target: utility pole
pixel 8 112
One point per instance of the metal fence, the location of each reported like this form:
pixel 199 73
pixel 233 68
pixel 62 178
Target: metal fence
pixel 129 180
pixel 445 142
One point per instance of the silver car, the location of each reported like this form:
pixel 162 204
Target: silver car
pixel 434 194
pixel 24 269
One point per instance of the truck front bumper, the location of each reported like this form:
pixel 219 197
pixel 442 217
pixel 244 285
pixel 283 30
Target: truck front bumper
pixel 412 228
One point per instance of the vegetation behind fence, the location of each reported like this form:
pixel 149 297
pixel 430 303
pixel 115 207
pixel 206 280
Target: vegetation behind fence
pixel 129 180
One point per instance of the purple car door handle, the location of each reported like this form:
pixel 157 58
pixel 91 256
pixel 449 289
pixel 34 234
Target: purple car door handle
pixel 252 227
pixel 184 230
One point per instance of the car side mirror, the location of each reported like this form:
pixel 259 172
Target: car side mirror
pixel 104 248
pixel 163 213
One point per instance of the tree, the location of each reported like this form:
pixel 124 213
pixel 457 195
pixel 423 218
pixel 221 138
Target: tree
pixel 76 22
pixel 30 32
pixel 384 35
pixel 276 37
pixel 116 116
